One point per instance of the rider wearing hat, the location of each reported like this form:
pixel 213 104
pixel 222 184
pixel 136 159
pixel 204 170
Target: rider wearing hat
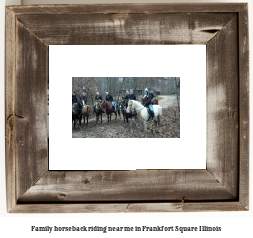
pixel 97 98
pixel 147 103
pixel 126 96
pixel 132 96
pixel 74 98
pixel 109 98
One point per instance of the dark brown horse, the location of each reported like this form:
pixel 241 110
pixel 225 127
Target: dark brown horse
pixel 77 113
pixel 109 109
pixel 86 111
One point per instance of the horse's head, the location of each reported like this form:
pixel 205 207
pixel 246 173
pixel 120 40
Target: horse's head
pixel 130 106
pixel 103 105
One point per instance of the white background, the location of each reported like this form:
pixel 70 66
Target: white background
pixel 234 224
pixel 185 61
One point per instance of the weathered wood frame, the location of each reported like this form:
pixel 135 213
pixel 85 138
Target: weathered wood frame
pixel 223 186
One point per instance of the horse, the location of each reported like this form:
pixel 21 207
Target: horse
pixel 77 113
pixel 109 109
pixel 143 115
pixel 98 111
pixel 118 109
pixel 155 102
pixel 126 115
pixel 86 112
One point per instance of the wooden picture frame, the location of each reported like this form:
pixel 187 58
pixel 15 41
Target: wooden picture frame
pixel 222 186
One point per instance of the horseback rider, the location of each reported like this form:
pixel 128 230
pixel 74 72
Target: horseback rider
pixel 84 98
pixel 126 96
pixel 147 103
pixel 74 98
pixel 152 96
pixel 97 98
pixel 109 98
pixel 131 95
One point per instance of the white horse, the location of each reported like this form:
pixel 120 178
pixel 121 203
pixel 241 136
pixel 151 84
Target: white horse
pixel 142 113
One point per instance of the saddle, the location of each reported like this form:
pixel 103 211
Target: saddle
pixel 149 113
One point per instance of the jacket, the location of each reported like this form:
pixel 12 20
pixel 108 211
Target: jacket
pixel 147 100
pixel 98 97
pixel 85 99
pixel 126 97
pixel 109 98
pixel 132 97
pixel 74 99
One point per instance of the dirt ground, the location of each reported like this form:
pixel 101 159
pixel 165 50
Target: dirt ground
pixel 170 124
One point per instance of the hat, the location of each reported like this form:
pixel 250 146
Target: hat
pixel 74 92
pixel 131 90
pixel 106 92
pixel 127 92
pixel 84 94
pixel 146 90
pixel 97 93
pixel 150 91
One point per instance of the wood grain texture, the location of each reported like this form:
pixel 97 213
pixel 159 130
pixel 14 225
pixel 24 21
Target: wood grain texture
pixel 128 8
pixel 244 106
pixel 9 108
pixel 30 108
pixel 223 186
pixel 139 185
pixel 222 107
pixel 115 29
pixel 129 207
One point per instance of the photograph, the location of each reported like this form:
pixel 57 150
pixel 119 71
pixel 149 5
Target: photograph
pixel 125 107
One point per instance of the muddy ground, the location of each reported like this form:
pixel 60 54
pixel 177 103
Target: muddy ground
pixel 170 125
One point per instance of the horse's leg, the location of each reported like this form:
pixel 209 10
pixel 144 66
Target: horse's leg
pixel 84 120
pixel 108 116
pixel 155 125
pixel 87 119
pixel 131 125
pixel 101 117
pixel 115 115
pixel 80 119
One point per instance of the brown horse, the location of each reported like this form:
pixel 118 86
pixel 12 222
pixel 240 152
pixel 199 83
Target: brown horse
pixel 108 108
pixel 118 103
pixel 155 102
pixel 98 111
pixel 86 111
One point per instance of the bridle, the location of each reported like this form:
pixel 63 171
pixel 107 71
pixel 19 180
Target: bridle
pixel 106 106
pixel 99 106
